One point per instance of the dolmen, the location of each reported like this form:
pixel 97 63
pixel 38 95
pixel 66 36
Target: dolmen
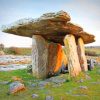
pixel 56 41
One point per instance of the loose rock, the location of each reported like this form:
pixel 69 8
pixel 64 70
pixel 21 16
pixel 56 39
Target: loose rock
pixel 57 79
pixel 35 95
pixel 83 87
pixel 42 84
pixel 87 77
pixel 81 80
pixel 79 95
pixel 95 82
pixel 16 87
pixel 49 98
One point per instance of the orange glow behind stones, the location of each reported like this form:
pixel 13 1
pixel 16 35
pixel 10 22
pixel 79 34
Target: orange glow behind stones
pixel 64 59
pixel 59 58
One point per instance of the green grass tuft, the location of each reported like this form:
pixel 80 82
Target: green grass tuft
pixel 64 92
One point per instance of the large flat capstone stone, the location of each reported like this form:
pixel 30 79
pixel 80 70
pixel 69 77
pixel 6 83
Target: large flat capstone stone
pixel 52 26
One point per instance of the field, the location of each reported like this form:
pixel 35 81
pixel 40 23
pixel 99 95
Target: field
pixel 17 51
pixel 93 53
pixel 84 87
pixel 93 50
pixel 69 90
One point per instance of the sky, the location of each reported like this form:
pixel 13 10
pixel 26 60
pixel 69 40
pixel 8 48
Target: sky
pixel 86 13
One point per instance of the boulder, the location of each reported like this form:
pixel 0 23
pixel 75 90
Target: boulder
pixel 57 79
pixel 52 26
pixel 16 87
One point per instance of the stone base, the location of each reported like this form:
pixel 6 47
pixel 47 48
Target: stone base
pixel 39 56
pixel 72 55
pixel 81 54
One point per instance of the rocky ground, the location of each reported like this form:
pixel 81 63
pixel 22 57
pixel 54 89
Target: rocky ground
pixel 13 62
pixel 20 85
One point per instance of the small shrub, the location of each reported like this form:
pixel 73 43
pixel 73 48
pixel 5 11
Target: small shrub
pixel 1 46
pixel 29 68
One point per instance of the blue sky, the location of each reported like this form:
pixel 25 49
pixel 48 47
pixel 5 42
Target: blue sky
pixel 83 12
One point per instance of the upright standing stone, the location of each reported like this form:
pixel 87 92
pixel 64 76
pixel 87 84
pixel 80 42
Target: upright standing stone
pixel 81 54
pixel 73 60
pixel 65 60
pixel 59 58
pixel 39 56
pixel 54 58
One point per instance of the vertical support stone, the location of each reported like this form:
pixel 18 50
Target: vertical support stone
pixel 39 56
pixel 73 60
pixel 54 58
pixel 65 60
pixel 81 54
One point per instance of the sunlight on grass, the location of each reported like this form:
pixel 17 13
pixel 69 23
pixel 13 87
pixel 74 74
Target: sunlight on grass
pixel 67 91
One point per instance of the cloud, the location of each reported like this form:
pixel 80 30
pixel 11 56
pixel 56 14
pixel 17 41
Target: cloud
pixel 86 14
pixel 12 40
pixel 84 6
pixel 83 12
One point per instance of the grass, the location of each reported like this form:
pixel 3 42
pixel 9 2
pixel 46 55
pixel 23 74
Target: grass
pixel 59 93
pixel 93 50
pixel 18 51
